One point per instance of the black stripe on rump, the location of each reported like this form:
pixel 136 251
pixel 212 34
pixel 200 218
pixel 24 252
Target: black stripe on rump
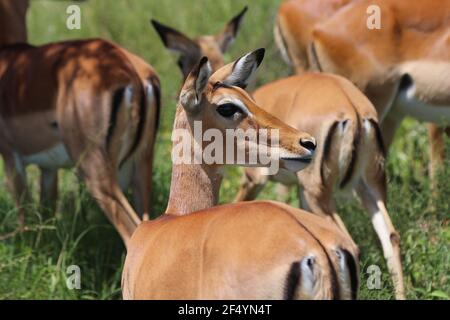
pixel 334 278
pixel 316 57
pixel 292 281
pixel 378 136
pixel 140 127
pixel 116 101
pixel 327 148
pixel 354 156
pixel 156 89
pixel 351 265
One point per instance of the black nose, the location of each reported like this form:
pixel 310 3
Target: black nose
pixel 308 144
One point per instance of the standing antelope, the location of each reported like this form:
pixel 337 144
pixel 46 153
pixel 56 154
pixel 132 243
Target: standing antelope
pixel 350 154
pixel 403 67
pixel 249 250
pixel 191 50
pixel 75 103
pixel 136 173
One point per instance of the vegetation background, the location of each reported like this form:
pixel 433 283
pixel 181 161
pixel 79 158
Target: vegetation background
pixel 33 265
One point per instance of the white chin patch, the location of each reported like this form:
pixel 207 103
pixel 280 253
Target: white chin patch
pixel 294 162
pixel 293 165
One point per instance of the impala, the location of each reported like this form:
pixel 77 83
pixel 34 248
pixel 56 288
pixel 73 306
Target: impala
pixel 191 50
pixel 248 250
pixel 350 153
pixel 75 103
pixel 136 173
pixel 403 67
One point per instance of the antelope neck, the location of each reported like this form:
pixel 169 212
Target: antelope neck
pixel 193 187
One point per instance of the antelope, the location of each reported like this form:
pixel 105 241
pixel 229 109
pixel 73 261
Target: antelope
pixel 403 67
pixel 191 50
pixel 136 173
pixel 76 103
pixel 247 250
pixel 350 153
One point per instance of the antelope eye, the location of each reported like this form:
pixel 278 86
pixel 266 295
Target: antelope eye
pixel 228 110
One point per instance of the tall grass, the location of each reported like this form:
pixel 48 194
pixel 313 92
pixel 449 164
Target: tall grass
pixel 33 265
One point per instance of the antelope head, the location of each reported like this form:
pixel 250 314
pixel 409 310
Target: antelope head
pixel 219 102
pixel 191 50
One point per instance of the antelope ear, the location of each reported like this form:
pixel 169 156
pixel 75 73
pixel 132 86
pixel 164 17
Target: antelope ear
pixel 174 40
pixel 226 37
pixel 195 84
pixel 240 72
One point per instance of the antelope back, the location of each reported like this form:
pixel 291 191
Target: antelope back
pixel 294 256
pixel 54 86
pixel 414 30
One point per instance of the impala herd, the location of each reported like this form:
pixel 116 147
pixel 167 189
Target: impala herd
pixel 95 106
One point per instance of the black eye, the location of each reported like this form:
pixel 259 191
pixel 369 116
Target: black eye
pixel 228 110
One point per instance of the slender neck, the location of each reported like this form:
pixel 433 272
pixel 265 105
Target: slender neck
pixel 194 186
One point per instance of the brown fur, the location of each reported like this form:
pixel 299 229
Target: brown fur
pixel 350 153
pixel 237 251
pixel 294 24
pixel 199 250
pixel 413 40
pixel 139 168
pixel 64 91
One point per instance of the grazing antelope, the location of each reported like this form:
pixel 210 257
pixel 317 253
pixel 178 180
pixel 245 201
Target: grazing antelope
pixel 248 250
pixel 136 173
pixel 403 67
pixel 76 103
pixel 350 153
pixel 191 50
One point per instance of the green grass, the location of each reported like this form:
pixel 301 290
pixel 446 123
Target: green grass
pixel 33 265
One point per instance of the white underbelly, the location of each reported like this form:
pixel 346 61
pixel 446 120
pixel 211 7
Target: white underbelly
pixel 423 111
pixel 54 158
